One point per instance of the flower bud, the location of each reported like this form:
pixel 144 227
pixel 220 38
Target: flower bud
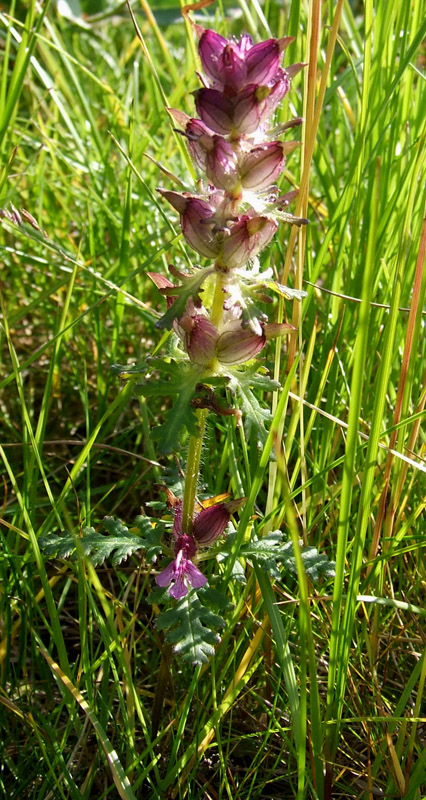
pixel 222 164
pixel 215 110
pixel 262 166
pixel 210 523
pixel 236 344
pixel 195 218
pixel 197 229
pixel 198 136
pixel 263 61
pixel 200 338
pixel 232 65
pixel 246 239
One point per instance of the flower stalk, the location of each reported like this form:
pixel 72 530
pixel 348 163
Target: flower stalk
pixel 192 472
pixel 220 327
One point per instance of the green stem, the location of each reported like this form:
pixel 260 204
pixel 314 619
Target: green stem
pixel 192 472
pixel 196 442
pixel 216 314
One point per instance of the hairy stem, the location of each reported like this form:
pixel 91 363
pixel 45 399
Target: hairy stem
pixel 196 442
pixel 192 472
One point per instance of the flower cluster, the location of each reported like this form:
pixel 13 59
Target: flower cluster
pixel 230 221
pixel 209 524
pixel 238 209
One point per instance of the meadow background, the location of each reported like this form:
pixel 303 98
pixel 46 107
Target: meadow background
pixel 316 690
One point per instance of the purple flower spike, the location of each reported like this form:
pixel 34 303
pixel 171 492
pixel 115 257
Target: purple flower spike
pixel 237 211
pixel 231 65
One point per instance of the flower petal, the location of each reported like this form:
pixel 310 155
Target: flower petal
pixel 166 576
pixel 194 576
pixel 179 588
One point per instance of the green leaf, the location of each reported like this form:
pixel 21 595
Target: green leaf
pixel 117 545
pixel 171 378
pixel 191 628
pixel 122 370
pixel 271 550
pixel 256 415
pixel 189 289
pixel 286 291
pixel 181 415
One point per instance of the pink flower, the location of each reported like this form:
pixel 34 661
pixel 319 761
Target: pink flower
pixel 182 571
pixel 231 65
pixel 208 525
pixel 244 113
pixel 196 221
pixel 263 165
pixel 236 344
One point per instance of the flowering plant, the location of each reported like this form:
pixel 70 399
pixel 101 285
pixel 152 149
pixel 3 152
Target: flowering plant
pixel 216 314
pixel 229 221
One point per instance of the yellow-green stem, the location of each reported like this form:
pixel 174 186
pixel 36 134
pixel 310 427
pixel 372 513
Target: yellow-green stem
pixel 192 471
pixel 216 315
pixel 196 442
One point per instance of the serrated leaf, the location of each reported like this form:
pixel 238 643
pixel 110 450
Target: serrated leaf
pixel 271 550
pixel 256 416
pixel 286 291
pixel 117 545
pixel 191 628
pixel 214 597
pixel 158 595
pixel 238 573
pixel 150 536
pixel 181 415
pixel 189 289
pixel 317 564
pixel 60 545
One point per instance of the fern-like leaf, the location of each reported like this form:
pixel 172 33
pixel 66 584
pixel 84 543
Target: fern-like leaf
pixel 191 628
pixel 118 544
pixel 271 550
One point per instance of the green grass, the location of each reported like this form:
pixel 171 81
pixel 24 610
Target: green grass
pixel 315 690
